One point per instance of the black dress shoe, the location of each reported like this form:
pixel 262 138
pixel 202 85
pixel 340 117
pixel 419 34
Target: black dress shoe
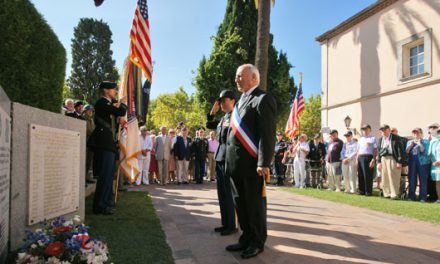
pixel 251 252
pixel 236 247
pixel 219 229
pixel 107 211
pixel 228 232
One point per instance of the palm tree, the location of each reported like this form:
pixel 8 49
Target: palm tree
pixel 263 40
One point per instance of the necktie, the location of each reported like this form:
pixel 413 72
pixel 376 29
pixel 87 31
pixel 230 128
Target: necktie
pixel 242 99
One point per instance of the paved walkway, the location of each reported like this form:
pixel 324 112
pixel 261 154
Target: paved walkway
pixel 301 230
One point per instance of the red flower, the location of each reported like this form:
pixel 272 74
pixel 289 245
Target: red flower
pixel 54 248
pixel 62 229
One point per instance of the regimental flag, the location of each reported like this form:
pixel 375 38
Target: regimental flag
pixel 140 50
pixel 145 101
pixel 298 106
pixel 129 144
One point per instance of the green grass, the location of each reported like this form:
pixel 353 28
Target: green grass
pixel 133 234
pixel 422 211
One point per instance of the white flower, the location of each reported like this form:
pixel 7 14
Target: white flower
pixel 22 255
pixel 53 260
pixel 68 223
pixel 40 243
pixel 38 230
pixel 77 220
pixel 33 246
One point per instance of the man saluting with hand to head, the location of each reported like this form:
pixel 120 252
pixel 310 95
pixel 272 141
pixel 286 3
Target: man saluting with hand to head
pixel 249 151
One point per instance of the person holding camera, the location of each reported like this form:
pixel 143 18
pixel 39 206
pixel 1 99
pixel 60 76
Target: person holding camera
pixel 390 160
pixel 417 151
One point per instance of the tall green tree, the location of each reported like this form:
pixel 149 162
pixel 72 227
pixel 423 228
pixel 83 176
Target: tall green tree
pixel 235 44
pixel 171 108
pixel 310 118
pixel 91 59
pixel 32 59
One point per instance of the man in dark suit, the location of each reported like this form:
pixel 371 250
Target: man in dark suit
pixel 249 151
pixel 226 101
pixel 102 142
pixel 182 150
pixel 390 159
pixel 200 150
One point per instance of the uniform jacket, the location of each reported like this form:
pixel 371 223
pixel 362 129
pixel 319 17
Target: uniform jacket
pixel 317 152
pixel 258 113
pixel 280 148
pixel 102 136
pixel 222 128
pixel 200 148
pixel 181 151
pixel 163 147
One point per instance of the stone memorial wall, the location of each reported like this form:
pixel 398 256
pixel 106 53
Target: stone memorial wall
pixel 5 144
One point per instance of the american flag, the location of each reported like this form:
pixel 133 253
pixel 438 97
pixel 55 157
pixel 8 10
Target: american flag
pixel 140 53
pixel 298 106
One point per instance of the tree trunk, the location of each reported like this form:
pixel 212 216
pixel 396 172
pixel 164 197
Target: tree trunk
pixel 262 49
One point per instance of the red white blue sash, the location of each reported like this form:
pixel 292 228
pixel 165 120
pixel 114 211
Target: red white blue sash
pixel 243 134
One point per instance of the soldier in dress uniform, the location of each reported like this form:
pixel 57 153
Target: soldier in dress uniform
pixel 280 168
pixel 107 108
pixel 226 101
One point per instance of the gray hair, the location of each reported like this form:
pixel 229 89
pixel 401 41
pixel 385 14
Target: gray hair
pixel 68 100
pixel 254 70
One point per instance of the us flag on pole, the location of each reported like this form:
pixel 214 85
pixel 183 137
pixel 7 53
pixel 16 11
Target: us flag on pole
pixel 140 53
pixel 298 106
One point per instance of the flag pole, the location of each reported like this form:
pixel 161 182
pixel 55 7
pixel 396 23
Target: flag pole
pixel 300 86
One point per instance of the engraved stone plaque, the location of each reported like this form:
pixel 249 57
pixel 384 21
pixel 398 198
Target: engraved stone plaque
pixel 54 172
pixel 5 145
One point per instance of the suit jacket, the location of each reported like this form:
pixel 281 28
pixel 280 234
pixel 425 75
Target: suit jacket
pixel 181 151
pixel 102 137
pixel 396 146
pixel 199 148
pixel 163 147
pixel 258 113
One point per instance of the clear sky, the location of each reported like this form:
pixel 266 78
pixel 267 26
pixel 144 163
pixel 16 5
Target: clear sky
pixel 181 31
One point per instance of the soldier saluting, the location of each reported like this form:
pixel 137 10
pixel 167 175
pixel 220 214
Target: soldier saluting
pixel 102 141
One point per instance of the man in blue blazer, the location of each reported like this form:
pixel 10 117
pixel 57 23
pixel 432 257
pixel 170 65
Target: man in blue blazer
pixel 182 150
pixel 249 151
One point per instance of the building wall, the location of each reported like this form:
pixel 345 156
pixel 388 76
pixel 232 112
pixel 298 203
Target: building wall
pixel 360 70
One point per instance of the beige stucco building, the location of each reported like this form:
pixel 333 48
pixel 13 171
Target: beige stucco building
pixel 383 66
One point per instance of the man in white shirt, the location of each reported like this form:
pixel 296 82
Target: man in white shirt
pixel 144 157
pixel 300 152
pixel 349 165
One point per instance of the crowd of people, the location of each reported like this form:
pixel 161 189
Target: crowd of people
pixel 402 167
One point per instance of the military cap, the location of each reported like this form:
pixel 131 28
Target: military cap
pixel 107 85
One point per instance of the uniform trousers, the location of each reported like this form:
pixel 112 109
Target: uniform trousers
pixel 225 199
pixel 144 168
pixel 104 184
pixel 182 170
pixel 390 177
pixel 349 172
pixel 162 167
pixel 199 170
pixel 333 176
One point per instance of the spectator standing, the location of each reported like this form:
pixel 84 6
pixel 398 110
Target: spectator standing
pixel 317 159
pixel 163 152
pixel 434 153
pixel 333 159
pixel 212 147
pixel 280 149
pixel 366 160
pixel 70 107
pixel 154 172
pixel 90 126
pixel 182 151
pixel 418 165
pixel 200 151
pixel 432 194
pixel 300 152
pixel 349 166
pixel 172 159
pixel 390 157
pixel 145 156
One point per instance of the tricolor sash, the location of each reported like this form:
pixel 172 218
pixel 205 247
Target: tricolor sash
pixel 243 134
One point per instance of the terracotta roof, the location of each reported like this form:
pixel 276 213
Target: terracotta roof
pixel 357 18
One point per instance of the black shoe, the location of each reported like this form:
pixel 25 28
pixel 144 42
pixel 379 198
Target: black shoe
pixel 219 229
pixel 185 182
pixel 251 252
pixel 178 183
pixel 90 181
pixel 236 247
pixel 106 211
pixel 228 232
